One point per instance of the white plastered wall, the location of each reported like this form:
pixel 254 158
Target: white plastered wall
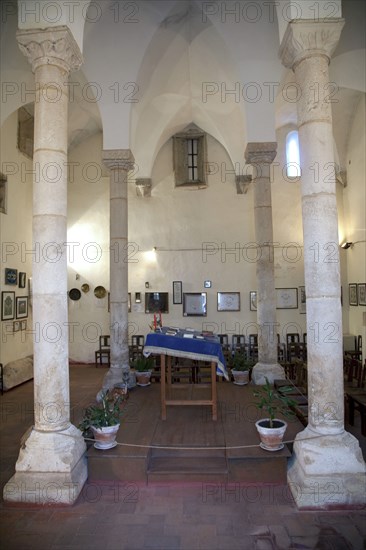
pixel 15 237
pixel 355 228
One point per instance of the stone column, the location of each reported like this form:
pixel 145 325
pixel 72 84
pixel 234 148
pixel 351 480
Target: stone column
pixel 119 162
pixel 327 469
pixel 51 468
pixel 261 156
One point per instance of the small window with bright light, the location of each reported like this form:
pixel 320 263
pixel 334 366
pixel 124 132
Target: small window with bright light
pixel 293 155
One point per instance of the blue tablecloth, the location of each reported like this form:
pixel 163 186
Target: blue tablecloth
pixel 207 349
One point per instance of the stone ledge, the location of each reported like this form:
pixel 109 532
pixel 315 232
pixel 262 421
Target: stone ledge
pixel 18 371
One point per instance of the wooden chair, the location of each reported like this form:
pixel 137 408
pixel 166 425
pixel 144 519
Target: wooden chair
pixel 238 343
pixel 104 350
pixel 136 347
pixel 292 338
pixel 224 341
pixel 281 349
pixel 253 346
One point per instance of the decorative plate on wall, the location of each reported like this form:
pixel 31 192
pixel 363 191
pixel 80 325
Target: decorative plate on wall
pixel 85 288
pixel 74 294
pixel 100 292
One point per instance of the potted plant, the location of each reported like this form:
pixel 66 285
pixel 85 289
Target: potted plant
pixel 143 367
pixel 240 368
pixel 103 419
pixel 271 429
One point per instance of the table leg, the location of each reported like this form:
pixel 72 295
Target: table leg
pixel 213 391
pixel 169 375
pixel 162 387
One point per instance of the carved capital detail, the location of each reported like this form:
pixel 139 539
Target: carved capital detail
pixel 242 184
pixel 50 46
pixel 261 152
pixel 118 159
pixel 143 187
pixel 305 38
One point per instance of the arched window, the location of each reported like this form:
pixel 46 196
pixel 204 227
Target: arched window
pixel 293 155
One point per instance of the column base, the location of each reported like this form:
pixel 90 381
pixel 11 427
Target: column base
pixel 115 375
pixel 51 468
pixel 327 471
pixel 261 371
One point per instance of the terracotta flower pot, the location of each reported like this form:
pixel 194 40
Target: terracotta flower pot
pixel 271 438
pixel 105 438
pixel 241 377
pixel 143 378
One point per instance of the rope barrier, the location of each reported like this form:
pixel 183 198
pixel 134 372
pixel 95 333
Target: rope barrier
pixel 172 448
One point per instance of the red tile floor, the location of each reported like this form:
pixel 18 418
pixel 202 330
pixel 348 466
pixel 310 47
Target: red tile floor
pixel 161 516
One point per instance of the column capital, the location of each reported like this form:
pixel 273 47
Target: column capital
pixel 52 46
pixel 261 152
pixel 308 38
pixel 118 159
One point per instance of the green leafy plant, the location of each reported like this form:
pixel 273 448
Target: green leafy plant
pixel 240 363
pixel 273 401
pixel 106 413
pixel 143 364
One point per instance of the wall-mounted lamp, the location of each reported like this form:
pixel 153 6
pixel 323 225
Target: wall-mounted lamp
pixel 147 285
pixel 346 245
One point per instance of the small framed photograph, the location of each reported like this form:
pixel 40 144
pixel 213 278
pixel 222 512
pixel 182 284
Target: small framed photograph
pixel 16 326
pixel 23 324
pixel 177 292
pixel 156 302
pixel 361 288
pixel 7 306
pixel 21 307
pixel 22 279
pixel 228 301
pixel 302 307
pixel 253 300
pixel 353 301
pixel 286 298
pixel 11 276
pixel 195 304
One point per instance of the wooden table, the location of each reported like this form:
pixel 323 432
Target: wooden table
pixel 195 348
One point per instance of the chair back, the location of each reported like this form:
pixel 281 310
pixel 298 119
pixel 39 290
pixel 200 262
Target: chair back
pixel 104 341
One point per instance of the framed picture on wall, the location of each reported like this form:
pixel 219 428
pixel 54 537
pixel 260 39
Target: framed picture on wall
pixel 302 306
pixel 22 279
pixel 361 287
pixel 228 301
pixel 11 276
pixel 353 301
pixel 156 302
pixel 253 300
pixel 195 304
pixel 22 307
pixel 7 306
pixel 286 298
pixel 177 292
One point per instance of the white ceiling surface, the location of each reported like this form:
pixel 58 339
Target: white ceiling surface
pixel 163 54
